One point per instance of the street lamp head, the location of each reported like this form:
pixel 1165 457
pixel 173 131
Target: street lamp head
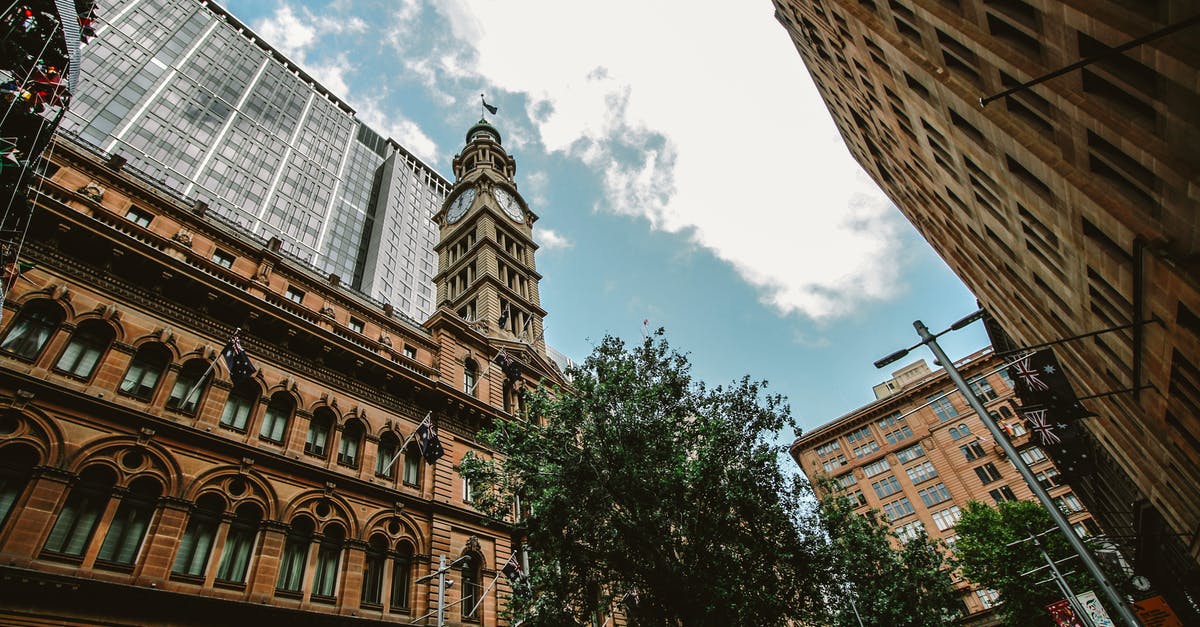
pixel 896 356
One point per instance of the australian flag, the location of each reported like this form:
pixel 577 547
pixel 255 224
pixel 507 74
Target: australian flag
pixel 428 441
pixel 1040 382
pixel 510 366
pixel 237 361
pixel 513 570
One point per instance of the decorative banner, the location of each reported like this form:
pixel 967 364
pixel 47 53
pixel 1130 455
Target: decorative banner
pixel 1154 612
pixel 1063 615
pixel 1092 606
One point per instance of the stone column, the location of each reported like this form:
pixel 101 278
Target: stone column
pixel 162 540
pixel 262 578
pixel 47 489
pixel 350 597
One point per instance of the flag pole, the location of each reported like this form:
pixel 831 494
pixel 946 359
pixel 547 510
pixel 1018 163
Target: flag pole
pixel 400 451
pixel 212 364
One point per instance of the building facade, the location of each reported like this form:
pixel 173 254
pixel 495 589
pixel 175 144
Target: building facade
pixel 1067 207
pixel 919 454
pixel 143 482
pixel 190 96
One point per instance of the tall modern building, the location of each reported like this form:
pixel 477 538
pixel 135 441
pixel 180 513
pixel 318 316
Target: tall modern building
pixel 153 471
pixel 1069 206
pixel 918 455
pixel 190 97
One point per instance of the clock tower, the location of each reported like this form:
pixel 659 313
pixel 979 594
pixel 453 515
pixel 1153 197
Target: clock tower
pixel 486 273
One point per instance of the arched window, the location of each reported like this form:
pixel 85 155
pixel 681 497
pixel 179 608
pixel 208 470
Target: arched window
pixel 129 525
pixel 412 465
pixel 350 444
pixel 471 587
pixel 275 420
pixel 964 430
pixel 77 521
pixel 319 427
pixel 32 328
pixel 16 466
pixel 954 434
pixel 183 398
pixel 1005 411
pixel 295 555
pixel 197 542
pixel 144 371
pixel 87 345
pixel 239 405
pixel 470 376
pixel 385 462
pixel 372 591
pixel 328 556
pixel 239 544
pixel 402 576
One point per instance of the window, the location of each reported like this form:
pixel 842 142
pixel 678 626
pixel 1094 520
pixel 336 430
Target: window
pixel 385 460
pixel 34 325
pixel 239 544
pixel 1002 494
pixel 873 469
pixel 861 434
pixel 295 555
pixel 470 376
pixel 972 451
pixel 910 531
pixel 921 472
pixel 835 463
pixel 934 494
pixel 866 449
pixel 468 491
pixel 356 325
pixel 846 480
pixel 1032 455
pixel 77 521
pixel 828 448
pixel 961 430
pixel 412 465
pixel 983 390
pixel 222 258
pixel 238 406
pixel 902 433
pixel 187 391
pixel 1049 478
pixel 275 419
pixel 989 598
pixel 376 557
pixel 139 216
pixel 128 527
pixel 942 407
pixel 908 454
pixel 1015 428
pixel 410 352
pixel 947 518
pixel 194 549
pixel 294 294
pixel 317 440
pixel 987 473
pixel 144 371
pixel 402 577
pixel 350 443
pixel 1069 503
pixel 471 588
pixel 886 486
pixel 16 467
pixel 888 421
pixel 857 498
pixel 329 554
pixel 83 352
pixel 898 509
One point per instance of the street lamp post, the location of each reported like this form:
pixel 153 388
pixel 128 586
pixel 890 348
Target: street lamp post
pixel 929 339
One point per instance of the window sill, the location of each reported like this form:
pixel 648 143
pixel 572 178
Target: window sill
pixel 289 594
pixel 263 438
pixel 320 598
pixel 367 605
pixel 141 398
pixel 61 557
pixel 232 428
pixel 230 585
pixel 192 579
pixel 114 566
pixel 317 454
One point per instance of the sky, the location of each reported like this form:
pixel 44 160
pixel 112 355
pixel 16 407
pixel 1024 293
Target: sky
pixel 686 173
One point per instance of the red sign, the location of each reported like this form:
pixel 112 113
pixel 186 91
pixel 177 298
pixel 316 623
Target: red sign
pixel 1063 615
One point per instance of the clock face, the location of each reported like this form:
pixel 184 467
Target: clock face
pixel 510 205
pixel 459 207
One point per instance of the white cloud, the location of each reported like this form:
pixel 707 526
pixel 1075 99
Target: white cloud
pixel 703 121
pixel 551 240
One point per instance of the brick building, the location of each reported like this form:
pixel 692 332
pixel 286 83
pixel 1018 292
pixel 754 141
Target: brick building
pixel 919 454
pixel 124 499
pixel 1067 207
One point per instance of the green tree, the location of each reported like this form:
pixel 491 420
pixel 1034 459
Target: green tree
pixel 993 550
pixel 873 580
pixel 640 478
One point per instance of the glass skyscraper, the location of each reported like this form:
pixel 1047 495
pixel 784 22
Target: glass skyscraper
pixel 195 100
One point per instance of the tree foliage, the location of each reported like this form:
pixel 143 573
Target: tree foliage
pixel 993 550
pixel 874 581
pixel 640 478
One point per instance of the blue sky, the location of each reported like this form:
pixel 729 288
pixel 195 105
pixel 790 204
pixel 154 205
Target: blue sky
pixel 684 168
